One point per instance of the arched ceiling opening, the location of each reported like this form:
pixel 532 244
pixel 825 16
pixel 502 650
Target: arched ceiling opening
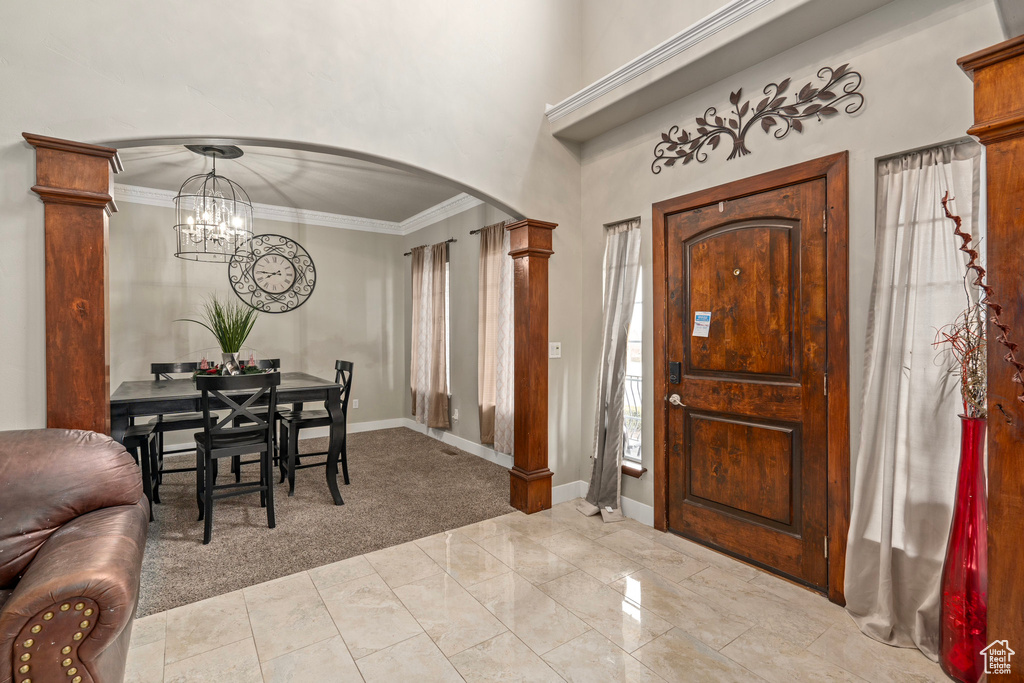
pixel 301 175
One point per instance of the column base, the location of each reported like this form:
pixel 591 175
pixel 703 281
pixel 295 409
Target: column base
pixel 530 491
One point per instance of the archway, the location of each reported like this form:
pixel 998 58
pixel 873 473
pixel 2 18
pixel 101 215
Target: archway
pixel 75 182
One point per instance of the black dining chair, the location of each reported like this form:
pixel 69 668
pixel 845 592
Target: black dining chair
pixel 140 441
pixel 174 422
pixel 236 463
pixel 292 421
pixel 220 438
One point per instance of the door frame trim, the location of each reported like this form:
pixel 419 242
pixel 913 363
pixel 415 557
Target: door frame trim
pixel 835 170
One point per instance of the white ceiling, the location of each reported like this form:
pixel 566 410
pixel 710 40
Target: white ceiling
pixel 297 179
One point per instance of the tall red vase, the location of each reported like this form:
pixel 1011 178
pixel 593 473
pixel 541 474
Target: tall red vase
pixel 963 613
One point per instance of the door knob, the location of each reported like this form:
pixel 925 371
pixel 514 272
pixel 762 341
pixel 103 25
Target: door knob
pixel 674 400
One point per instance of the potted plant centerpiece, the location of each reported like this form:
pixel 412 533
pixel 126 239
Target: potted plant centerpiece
pixel 230 322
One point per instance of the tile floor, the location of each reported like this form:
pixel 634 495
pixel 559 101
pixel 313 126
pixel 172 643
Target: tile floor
pixel 548 597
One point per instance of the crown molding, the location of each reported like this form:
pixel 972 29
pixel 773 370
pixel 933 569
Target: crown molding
pixel 135 194
pixel 702 30
pixel 446 209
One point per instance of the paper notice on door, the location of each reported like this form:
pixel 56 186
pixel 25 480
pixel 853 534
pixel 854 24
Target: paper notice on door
pixel 701 323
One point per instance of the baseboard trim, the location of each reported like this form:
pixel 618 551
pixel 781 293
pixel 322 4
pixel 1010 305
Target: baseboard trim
pixel 641 512
pixel 566 492
pixel 356 427
pixel 447 437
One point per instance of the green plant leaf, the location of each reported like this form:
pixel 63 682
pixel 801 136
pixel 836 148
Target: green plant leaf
pixel 230 322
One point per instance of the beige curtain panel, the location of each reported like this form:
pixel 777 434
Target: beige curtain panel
pixel 428 367
pixel 504 392
pixel 908 456
pixel 495 334
pixel 491 240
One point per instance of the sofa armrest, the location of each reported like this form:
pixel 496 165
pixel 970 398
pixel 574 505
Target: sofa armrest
pixel 87 571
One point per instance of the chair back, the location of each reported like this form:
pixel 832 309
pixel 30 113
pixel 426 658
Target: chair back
pixel 343 376
pixel 239 395
pixel 165 370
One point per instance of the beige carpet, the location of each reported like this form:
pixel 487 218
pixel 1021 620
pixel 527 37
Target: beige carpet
pixel 404 486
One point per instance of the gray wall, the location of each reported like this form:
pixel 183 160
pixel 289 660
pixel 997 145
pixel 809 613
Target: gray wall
pixel 915 95
pixel 464 278
pixel 455 87
pixel 356 311
pixel 616 31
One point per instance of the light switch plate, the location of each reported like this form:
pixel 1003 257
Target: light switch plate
pixel 355 403
pixel 554 349
pixel 455 414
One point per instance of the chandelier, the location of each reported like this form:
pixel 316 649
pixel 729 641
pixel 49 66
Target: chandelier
pixel 213 215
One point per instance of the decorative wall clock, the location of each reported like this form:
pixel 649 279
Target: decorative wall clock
pixel 279 277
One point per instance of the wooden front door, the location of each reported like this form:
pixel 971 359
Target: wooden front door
pixel 746 341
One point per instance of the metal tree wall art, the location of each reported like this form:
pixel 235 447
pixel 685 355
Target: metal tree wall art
pixel 839 91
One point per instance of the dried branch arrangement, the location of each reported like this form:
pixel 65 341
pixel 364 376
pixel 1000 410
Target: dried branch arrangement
pixel 987 300
pixel 965 340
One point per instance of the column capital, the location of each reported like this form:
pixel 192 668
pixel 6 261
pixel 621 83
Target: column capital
pixel 530 237
pixel 998 77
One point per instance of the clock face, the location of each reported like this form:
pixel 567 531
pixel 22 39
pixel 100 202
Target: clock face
pixel 279 277
pixel 274 273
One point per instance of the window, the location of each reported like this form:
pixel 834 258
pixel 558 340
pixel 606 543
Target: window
pixel 632 424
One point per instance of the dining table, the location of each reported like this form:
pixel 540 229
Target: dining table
pixel 144 398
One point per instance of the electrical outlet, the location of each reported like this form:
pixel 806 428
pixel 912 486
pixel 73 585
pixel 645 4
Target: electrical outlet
pixel 455 414
pixel 355 403
pixel 554 349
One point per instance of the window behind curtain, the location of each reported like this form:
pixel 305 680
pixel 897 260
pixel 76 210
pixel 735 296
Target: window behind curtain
pixel 633 422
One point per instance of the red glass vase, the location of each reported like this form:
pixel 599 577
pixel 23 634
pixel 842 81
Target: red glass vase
pixel 963 612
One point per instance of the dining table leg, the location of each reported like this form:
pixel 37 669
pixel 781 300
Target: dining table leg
pixel 118 421
pixel 336 439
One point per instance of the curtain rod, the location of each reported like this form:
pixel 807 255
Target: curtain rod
pixel 506 223
pixel 615 224
pixel 450 239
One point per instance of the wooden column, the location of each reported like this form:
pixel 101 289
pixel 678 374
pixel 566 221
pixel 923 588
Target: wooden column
pixel 74 180
pixel 530 478
pixel 998 74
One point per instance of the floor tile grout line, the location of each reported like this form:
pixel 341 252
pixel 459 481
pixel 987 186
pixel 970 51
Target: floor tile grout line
pixel 534 543
pixel 471 596
pixel 322 604
pixel 206 652
pixel 474 542
pixel 373 570
pixel 534 586
pixel 611 642
pixel 583 618
pixel 394 645
pixel 540 657
pixel 802 650
pixel 251 634
pixel 745 631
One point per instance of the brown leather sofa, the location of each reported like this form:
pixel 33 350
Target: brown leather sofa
pixel 73 523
